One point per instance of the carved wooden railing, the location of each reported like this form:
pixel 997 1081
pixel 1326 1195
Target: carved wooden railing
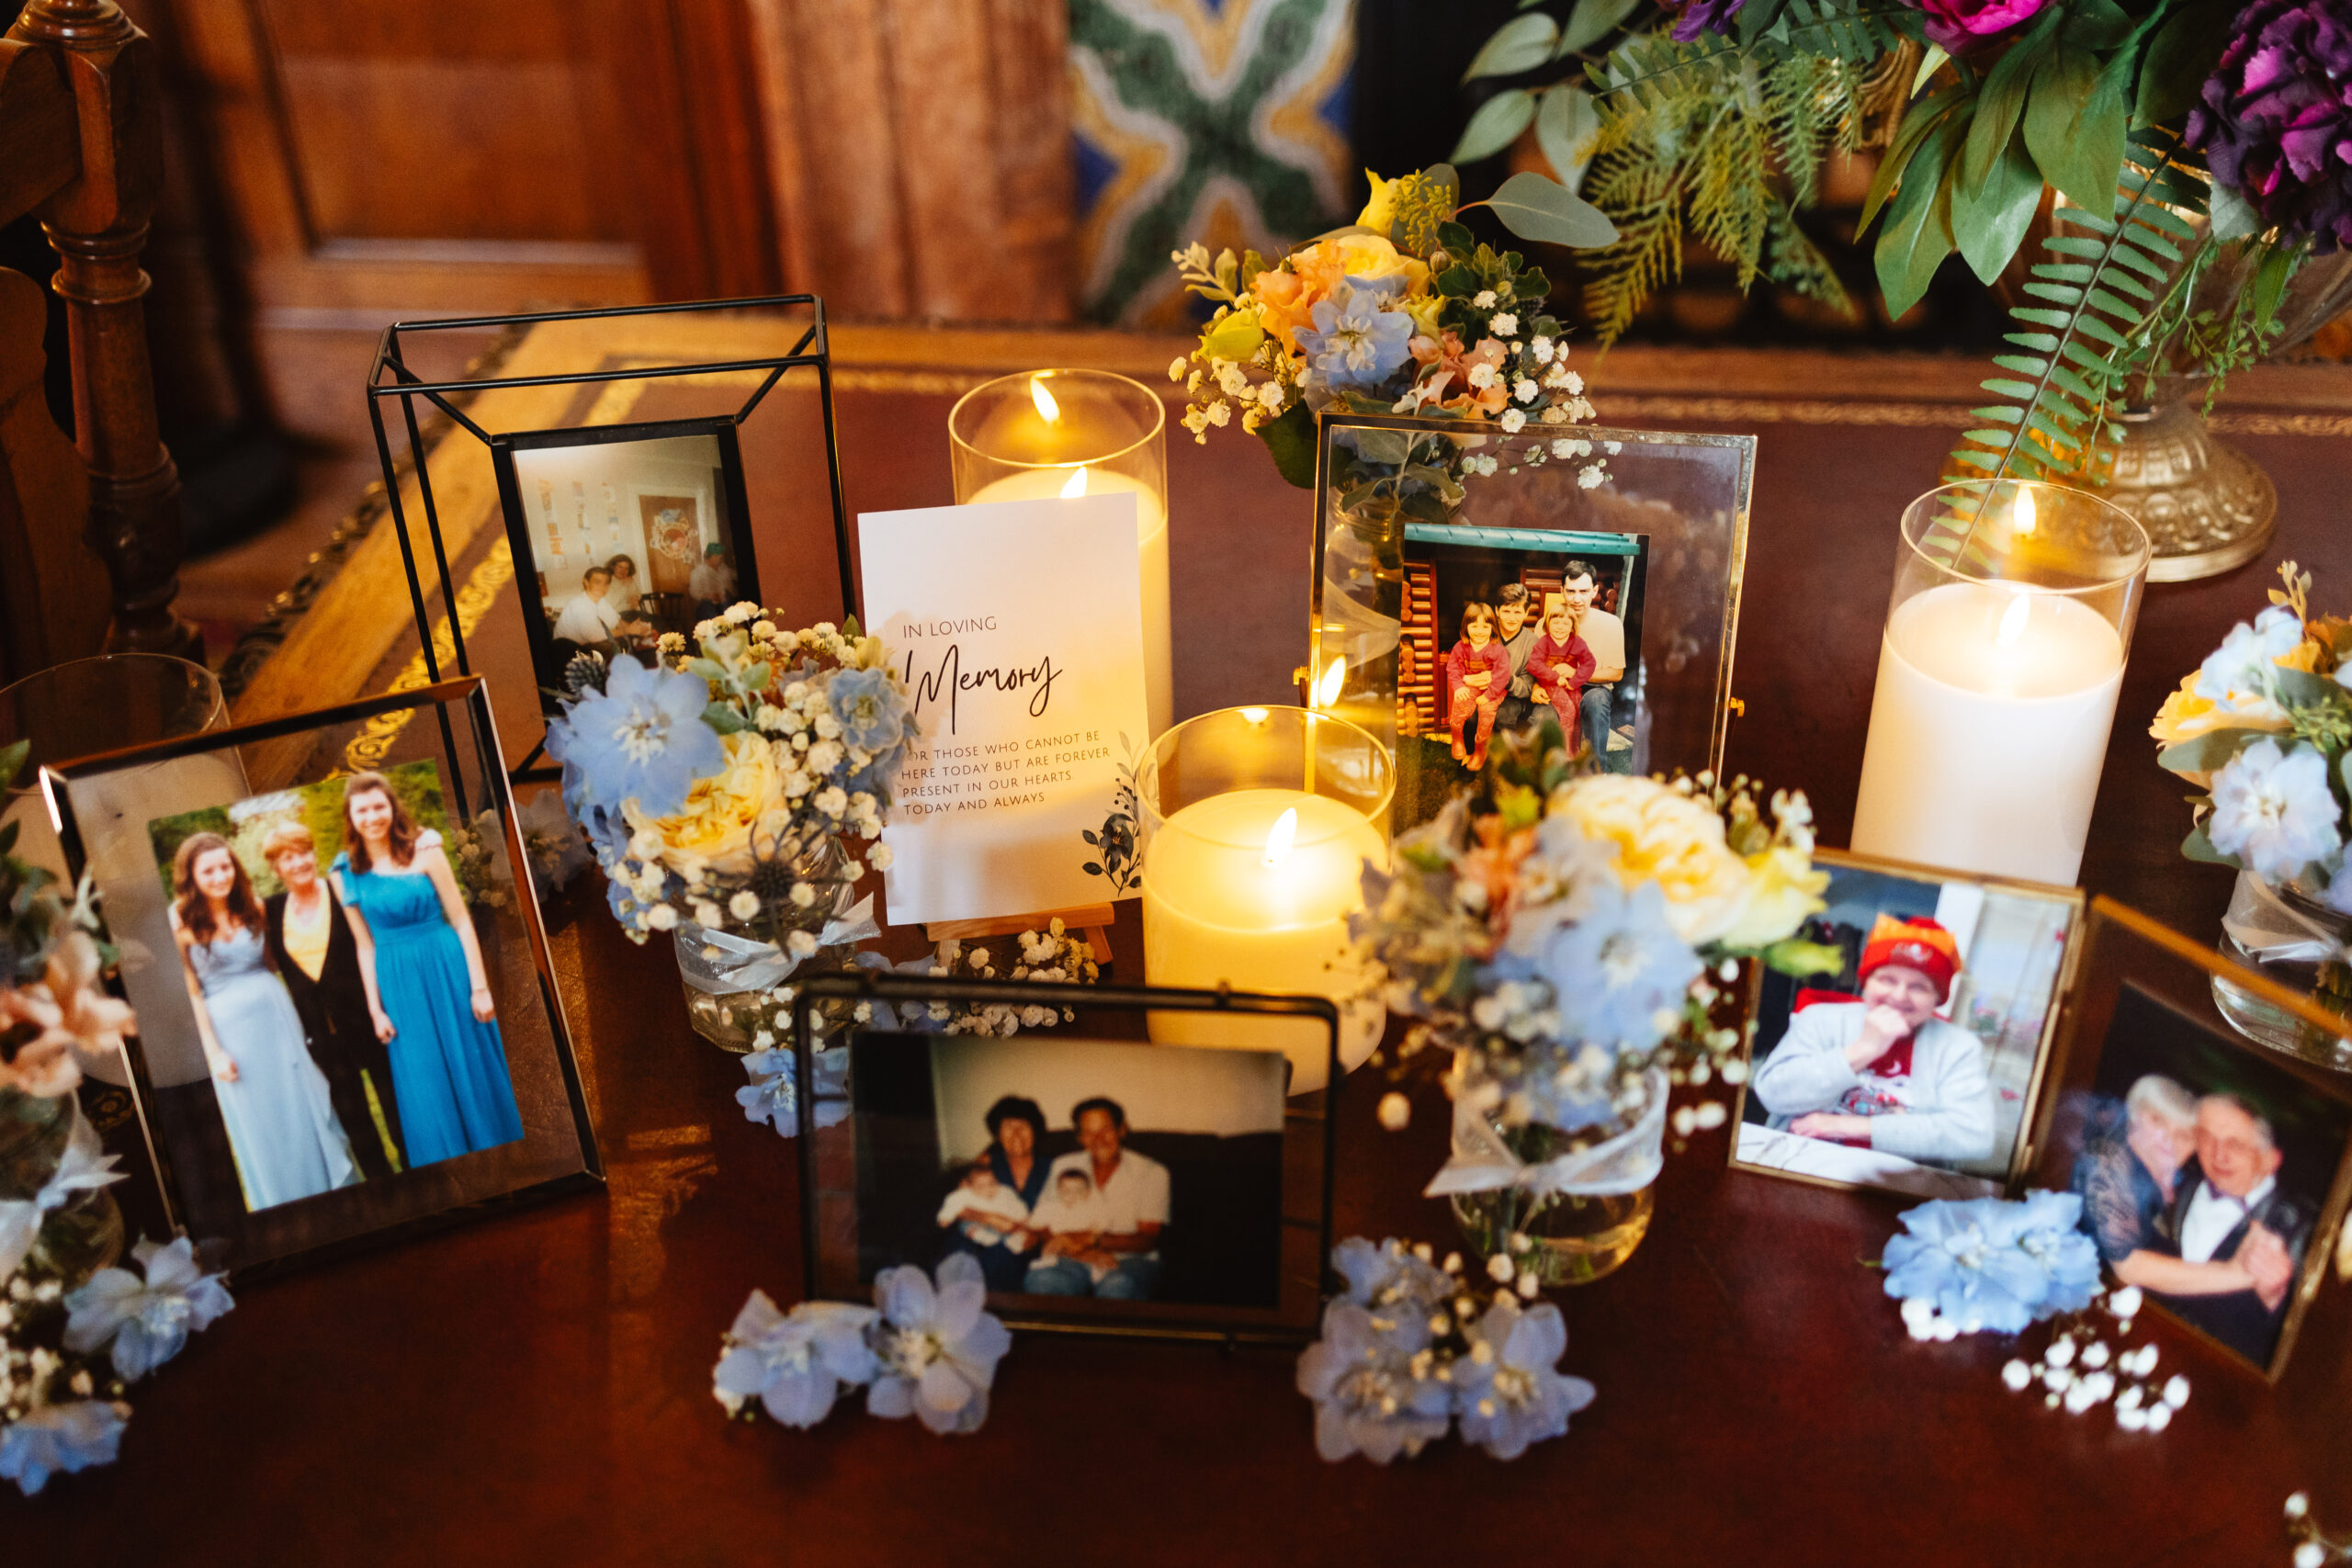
pixel 89 558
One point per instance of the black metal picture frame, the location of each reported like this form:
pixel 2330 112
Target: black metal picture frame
pixel 1307 1182
pixel 559 1154
pixel 546 658
pixel 390 379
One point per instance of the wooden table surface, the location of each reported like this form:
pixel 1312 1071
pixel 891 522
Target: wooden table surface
pixel 535 1387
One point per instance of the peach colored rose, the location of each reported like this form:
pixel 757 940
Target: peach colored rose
pixel 1450 386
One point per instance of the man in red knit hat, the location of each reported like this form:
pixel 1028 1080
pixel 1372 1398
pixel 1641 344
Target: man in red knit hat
pixel 1885 1073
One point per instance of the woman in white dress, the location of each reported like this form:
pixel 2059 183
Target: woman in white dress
pixel 273 1097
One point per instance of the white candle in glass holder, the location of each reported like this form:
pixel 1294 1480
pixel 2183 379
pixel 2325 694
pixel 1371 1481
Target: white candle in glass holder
pixel 1253 889
pixel 1987 731
pixel 1151 544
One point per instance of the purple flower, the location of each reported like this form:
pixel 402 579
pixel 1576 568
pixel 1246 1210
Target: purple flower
pixel 1959 26
pixel 2275 119
pixel 1509 1391
pixel 1706 16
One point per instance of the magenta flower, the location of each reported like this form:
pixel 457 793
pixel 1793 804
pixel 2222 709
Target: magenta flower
pixel 1959 26
pixel 2275 119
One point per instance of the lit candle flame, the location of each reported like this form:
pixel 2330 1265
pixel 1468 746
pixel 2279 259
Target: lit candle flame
pixel 1047 410
pixel 1327 690
pixel 2022 521
pixel 1279 836
pixel 2013 620
pixel 1076 486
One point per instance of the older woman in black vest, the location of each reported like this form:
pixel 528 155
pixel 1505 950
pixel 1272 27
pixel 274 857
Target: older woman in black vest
pixel 312 945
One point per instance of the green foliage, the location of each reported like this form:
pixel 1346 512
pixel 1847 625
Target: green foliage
pixel 1290 440
pixel 1655 70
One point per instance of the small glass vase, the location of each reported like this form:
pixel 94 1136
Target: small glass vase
pixel 85 1233
pixel 736 982
pixel 1589 1220
pixel 2297 942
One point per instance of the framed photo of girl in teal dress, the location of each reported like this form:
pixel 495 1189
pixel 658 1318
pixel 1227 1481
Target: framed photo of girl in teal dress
pixel 347 1023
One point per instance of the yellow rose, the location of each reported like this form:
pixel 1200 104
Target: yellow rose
pixel 2186 716
pixel 1380 212
pixel 1782 889
pixel 713 832
pixel 1666 838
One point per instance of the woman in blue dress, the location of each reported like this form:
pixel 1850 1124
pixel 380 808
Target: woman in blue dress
pixel 422 970
pixel 1017 1126
pixel 273 1097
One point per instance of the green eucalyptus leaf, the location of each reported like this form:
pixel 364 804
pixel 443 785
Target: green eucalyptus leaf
pixel 2210 751
pixel 1990 221
pixel 2198 846
pixel 1521 44
pixel 1290 440
pixel 1495 125
pixel 1593 21
pixel 2302 688
pixel 1537 208
pixel 2234 217
pixel 723 718
pixel 1565 124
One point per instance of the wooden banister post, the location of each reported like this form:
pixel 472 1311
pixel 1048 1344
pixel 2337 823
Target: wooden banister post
pixel 98 224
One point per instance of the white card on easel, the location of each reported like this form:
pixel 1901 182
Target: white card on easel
pixel 1017 626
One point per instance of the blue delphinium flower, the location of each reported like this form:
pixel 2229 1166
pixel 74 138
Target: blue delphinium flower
pixel 2050 1231
pixel 2273 811
pixel 1509 1391
pixel 85 1166
pixel 773 1097
pixel 148 1320
pixel 1356 343
pixel 1370 1385
pixel 2248 659
pixel 936 1347
pixel 794 1366
pixel 641 738
pixel 1964 1257
pixel 873 711
pixel 1616 968
pixel 57 1438
pixel 1390 1272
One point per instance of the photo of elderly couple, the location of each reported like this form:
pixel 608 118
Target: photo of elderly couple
pixel 1073 1168
pixel 1912 1068
pixel 335 983
pixel 2204 1171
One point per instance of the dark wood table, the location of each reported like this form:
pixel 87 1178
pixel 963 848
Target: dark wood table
pixel 536 1387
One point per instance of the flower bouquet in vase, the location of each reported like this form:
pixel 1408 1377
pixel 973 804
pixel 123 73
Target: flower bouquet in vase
pixel 2261 729
pixel 1568 941
pixel 732 795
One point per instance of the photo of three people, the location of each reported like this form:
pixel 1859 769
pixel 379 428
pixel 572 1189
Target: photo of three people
pixel 344 1011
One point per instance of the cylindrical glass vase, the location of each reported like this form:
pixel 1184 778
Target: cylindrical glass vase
pixel 1590 1203
pixel 1997 676
pixel 1257 825
pixel 736 980
pixel 1050 434
pixel 81 1235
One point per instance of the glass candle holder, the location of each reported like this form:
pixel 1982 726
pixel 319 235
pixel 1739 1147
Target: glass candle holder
pixel 1256 823
pixel 1048 434
pixel 1997 676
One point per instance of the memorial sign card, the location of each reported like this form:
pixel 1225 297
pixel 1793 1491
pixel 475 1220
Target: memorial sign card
pixel 1017 627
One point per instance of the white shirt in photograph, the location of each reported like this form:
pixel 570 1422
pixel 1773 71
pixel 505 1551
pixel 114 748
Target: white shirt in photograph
pixel 1003 1203
pixel 1136 1195
pixel 586 620
pixel 2212 1216
pixel 713 581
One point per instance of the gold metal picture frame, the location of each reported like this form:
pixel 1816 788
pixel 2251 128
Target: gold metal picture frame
pixel 2018 942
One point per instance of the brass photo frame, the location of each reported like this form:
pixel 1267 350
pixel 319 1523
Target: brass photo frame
pixel 225 789
pixel 2143 1006
pixel 2020 942
pixel 1405 537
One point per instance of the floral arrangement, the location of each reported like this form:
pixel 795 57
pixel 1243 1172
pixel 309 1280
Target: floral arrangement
pixel 73 1334
pixel 924 1349
pixel 1413 1348
pixel 2191 143
pixel 2262 728
pixel 1989 1265
pixel 1560 936
pixel 2313 1547
pixel 718 788
pixel 1402 313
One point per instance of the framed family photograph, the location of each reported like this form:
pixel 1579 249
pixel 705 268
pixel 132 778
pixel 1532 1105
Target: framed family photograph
pixel 628 530
pixel 1468 581
pixel 346 1017
pixel 2213 1172
pixel 1913 1069
pixel 1101 1181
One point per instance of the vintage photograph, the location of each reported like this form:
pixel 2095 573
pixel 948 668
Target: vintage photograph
pixel 629 532
pixel 1914 1067
pixel 335 985
pixel 2204 1170
pixel 1073 1168
pixel 1501 625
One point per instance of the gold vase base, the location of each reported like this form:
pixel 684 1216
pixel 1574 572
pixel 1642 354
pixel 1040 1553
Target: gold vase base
pixel 2206 506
